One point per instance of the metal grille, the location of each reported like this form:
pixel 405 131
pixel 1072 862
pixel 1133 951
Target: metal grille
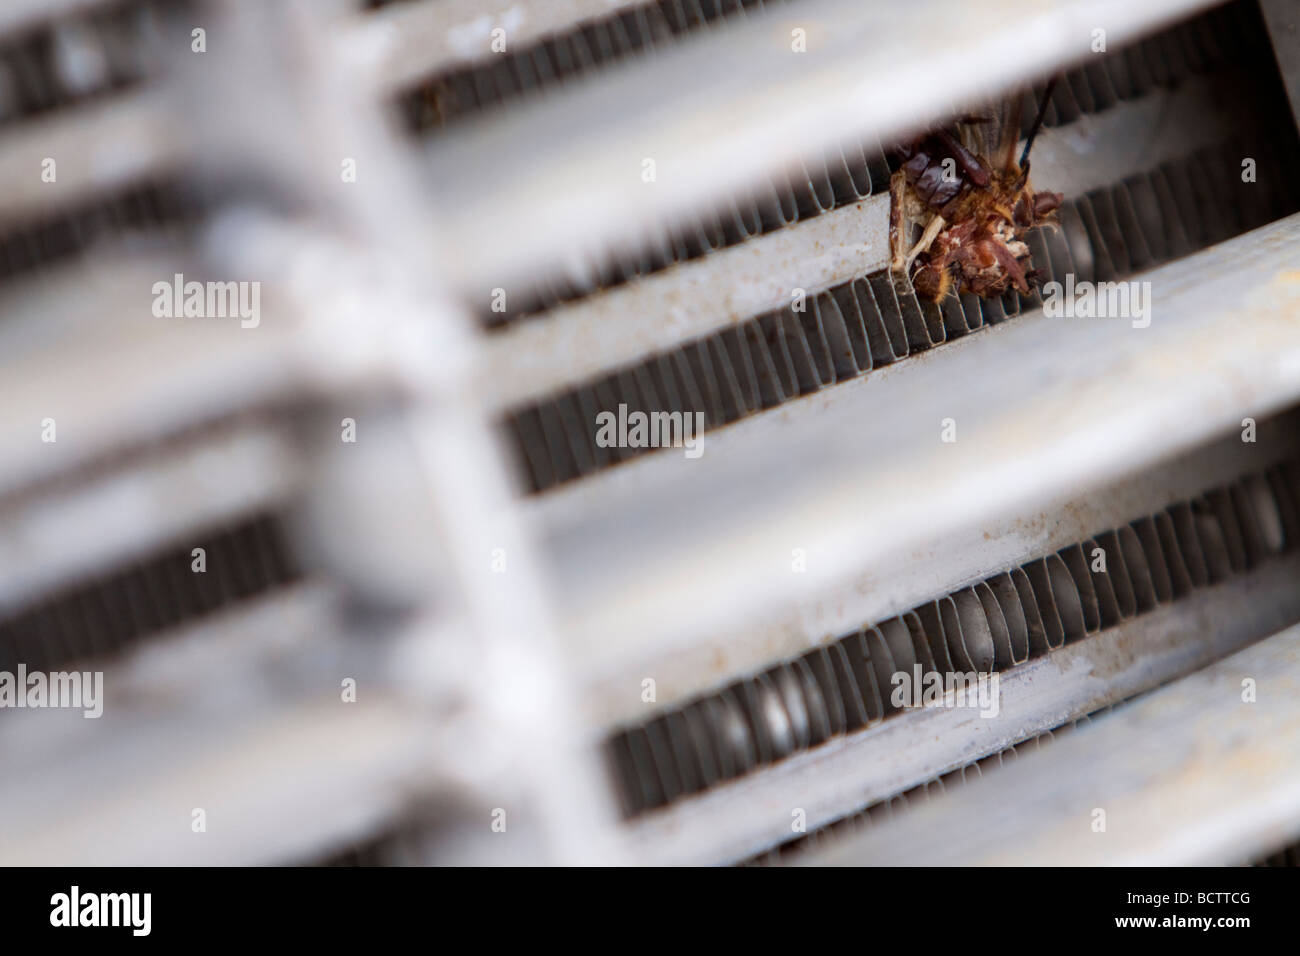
pixel 994 625
pixel 566 57
pixel 397 488
pixel 1217 41
pixel 867 323
pixel 93 620
pixel 899 803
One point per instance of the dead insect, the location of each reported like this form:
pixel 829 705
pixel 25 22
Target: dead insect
pixel 975 212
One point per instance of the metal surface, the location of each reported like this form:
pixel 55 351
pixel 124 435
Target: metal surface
pixel 859 326
pixel 121 514
pixel 97 148
pixel 753 813
pixel 496 638
pixel 789 850
pixel 251 726
pixel 1192 775
pixel 218 719
pixel 664 310
pixel 153 378
pixel 1149 132
pixel 402 43
pixel 581 194
pixel 855 488
pixel 992 626
pixel 573 342
pixel 122 604
pixel 1220 43
pixel 21 15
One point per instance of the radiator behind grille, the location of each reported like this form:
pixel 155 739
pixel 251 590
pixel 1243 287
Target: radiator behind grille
pixel 369 557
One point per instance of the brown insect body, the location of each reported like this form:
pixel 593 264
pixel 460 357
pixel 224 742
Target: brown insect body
pixel 976 215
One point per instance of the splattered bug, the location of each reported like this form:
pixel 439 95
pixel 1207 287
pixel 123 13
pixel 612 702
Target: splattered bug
pixel 975 212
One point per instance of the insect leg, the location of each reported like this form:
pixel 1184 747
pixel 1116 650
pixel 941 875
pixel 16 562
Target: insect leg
pixel 970 163
pixel 897 238
pixel 932 230
pixel 1038 121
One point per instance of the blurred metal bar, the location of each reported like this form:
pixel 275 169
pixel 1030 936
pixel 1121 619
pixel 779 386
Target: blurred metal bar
pixel 581 190
pixel 71 531
pixel 1041 407
pixel 1193 775
pixel 403 43
pixel 278 782
pixel 97 146
pixel 241 717
pixel 753 814
pixel 372 301
pixel 19 15
pixel 81 346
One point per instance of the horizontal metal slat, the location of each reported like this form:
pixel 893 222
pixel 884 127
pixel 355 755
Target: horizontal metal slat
pixel 1021 613
pixel 401 43
pixel 98 147
pixel 865 477
pixel 62 533
pixel 1192 775
pixel 602 332
pixel 581 192
pixel 240 716
pixel 753 813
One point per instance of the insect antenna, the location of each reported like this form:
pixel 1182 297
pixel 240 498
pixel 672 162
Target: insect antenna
pixel 1038 121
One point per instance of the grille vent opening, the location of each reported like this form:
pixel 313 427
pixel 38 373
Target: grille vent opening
pixel 538 68
pixel 77 60
pixel 115 611
pixel 1157 215
pixel 1005 620
pixel 150 216
pixel 899 803
pixel 1220 41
